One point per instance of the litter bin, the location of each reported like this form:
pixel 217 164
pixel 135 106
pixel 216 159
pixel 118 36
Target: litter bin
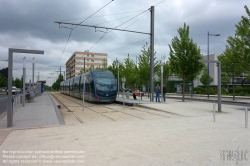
pixel 127 94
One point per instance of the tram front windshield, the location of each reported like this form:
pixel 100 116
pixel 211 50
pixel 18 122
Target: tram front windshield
pixel 105 82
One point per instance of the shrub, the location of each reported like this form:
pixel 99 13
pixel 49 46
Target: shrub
pixel 200 90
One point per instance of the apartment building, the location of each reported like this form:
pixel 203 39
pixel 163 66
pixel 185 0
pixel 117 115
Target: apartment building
pixel 76 62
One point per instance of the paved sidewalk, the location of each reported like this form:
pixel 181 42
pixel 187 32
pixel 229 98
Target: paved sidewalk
pixel 41 111
pixel 244 100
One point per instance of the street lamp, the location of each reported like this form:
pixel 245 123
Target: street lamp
pixel 118 76
pixel 162 82
pixel 209 34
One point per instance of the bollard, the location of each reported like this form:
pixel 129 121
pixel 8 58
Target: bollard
pixel 214 106
pixel 246 117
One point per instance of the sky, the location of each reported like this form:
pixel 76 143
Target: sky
pixel 30 24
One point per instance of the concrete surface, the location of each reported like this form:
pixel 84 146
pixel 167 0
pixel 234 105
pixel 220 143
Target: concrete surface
pixel 41 111
pixel 190 139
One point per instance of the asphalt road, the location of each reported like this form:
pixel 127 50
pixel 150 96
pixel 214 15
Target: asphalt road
pixel 3 104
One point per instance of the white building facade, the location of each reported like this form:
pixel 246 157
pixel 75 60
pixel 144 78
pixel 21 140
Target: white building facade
pixel 76 62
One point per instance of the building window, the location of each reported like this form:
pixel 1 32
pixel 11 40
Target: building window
pixel 92 60
pixel 87 60
pixel 87 54
pixel 92 55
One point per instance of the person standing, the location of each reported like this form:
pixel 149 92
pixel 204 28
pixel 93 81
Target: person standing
pixel 164 92
pixel 157 92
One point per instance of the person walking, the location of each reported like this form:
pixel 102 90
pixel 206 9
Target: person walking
pixel 157 92
pixel 164 93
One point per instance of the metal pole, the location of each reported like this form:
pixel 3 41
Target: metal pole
pixel 162 83
pixel 208 64
pixel 219 86
pixel 10 109
pixel 123 92
pixel 214 111
pixel 24 78
pixel 33 73
pixel 118 79
pixel 84 64
pixel 246 117
pixel 152 55
pixel 83 91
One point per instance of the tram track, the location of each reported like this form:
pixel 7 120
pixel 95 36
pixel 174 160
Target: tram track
pixel 113 117
pixel 66 107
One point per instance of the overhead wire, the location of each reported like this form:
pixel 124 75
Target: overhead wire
pixel 104 15
pixel 114 20
pixel 76 26
pixel 105 33
pixel 136 20
pixel 128 45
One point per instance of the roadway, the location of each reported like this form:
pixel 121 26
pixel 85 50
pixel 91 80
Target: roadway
pixel 3 104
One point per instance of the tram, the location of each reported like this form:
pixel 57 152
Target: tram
pixel 98 85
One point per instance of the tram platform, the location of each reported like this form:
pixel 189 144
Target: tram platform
pixel 41 111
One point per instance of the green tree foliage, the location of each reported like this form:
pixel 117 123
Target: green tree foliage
pixel 184 56
pixel 81 71
pixel 166 71
pixel 236 57
pixel 128 70
pixel 205 79
pixel 18 83
pixel 3 81
pixel 230 60
pixel 104 64
pixel 144 65
pixel 242 34
pixel 114 68
pixel 56 85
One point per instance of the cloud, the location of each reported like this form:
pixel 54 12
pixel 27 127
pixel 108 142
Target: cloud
pixel 29 24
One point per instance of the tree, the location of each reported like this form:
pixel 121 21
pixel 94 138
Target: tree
pixel 236 57
pixel 81 71
pixel 206 79
pixel 230 60
pixel 18 83
pixel 184 56
pixel 128 70
pixel 144 65
pixel 114 68
pixel 3 81
pixel 242 34
pixel 104 64
pixel 56 85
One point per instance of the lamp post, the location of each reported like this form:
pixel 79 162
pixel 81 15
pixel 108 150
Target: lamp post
pixel 209 34
pixel 118 76
pixel 161 82
pixel 33 73
pixel 24 80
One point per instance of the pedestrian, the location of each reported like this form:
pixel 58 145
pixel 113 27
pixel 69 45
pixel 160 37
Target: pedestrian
pixel 134 95
pixel 157 92
pixel 164 92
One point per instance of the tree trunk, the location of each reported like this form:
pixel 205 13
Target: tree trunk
pixel 233 88
pixel 148 90
pixel 183 89
pixel 192 88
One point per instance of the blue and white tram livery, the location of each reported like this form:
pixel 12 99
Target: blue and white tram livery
pixel 100 86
